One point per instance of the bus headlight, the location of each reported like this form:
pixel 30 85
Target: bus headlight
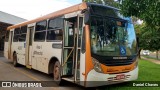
pixel 136 64
pixel 97 65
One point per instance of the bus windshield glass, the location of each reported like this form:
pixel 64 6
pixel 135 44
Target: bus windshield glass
pixel 112 37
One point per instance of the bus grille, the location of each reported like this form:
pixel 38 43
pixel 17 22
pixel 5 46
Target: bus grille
pixel 118 62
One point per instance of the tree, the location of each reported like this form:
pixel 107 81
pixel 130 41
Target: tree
pixel 106 2
pixel 152 39
pixel 147 10
pixel 148 38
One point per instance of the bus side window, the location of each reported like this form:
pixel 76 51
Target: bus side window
pixel 16 34
pixel 22 36
pixel 54 30
pixel 40 31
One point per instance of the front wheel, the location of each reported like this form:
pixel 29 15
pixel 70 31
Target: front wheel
pixel 57 72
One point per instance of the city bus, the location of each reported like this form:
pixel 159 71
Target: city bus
pixel 88 44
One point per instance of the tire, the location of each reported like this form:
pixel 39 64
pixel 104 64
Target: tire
pixel 57 73
pixel 15 64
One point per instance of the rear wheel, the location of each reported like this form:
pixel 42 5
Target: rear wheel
pixel 57 72
pixel 15 64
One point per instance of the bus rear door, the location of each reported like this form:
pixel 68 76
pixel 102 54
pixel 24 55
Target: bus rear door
pixel 10 45
pixel 29 41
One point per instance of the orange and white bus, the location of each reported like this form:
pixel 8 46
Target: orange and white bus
pixel 88 44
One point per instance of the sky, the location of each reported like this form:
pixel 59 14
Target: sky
pixel 31 9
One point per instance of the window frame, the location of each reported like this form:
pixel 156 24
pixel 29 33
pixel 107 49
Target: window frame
pixel 23 33
pixel 40 31
pixel 15 34
pixel 60 29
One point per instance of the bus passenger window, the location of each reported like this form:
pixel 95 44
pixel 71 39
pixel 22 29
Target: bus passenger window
pixel 54 34
pixel 23 32
pixel 40 26
pixel 16 35
pixel 40 31
pixel 54 30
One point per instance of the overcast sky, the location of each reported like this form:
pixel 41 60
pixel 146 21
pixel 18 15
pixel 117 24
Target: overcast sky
pixel 30 9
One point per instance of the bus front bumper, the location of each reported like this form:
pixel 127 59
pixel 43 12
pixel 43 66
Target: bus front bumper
pixel 99 79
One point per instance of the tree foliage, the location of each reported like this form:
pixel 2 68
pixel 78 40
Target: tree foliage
pixel 106 2
pixel 148 37
pixel 147 10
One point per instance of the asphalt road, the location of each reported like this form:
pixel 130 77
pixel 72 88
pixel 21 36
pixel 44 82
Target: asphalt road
pixel 10 73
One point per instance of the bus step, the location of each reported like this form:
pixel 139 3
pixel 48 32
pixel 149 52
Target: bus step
pixel 29 66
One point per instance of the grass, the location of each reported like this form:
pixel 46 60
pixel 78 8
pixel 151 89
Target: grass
pixel 148 71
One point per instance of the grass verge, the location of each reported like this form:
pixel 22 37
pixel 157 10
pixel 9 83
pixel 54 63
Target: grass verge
pixel 148 71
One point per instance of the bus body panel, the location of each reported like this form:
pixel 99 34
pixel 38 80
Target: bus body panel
pixel 98 79
pixel 19 49
pixel 82 68
pixel 42 53
pixel 8 45
pixel 29 41
pixel 6 49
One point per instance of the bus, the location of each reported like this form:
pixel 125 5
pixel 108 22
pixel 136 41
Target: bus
pixel 88 44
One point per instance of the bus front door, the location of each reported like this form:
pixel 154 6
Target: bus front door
pixel 72 48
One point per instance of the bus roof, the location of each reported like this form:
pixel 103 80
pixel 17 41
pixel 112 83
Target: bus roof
pixel 74 8
pixel 102 5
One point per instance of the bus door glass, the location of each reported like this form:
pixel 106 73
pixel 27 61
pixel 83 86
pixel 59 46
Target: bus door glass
pixel 69 46
pixel 78 47
pixel 72 47
pixel 29 40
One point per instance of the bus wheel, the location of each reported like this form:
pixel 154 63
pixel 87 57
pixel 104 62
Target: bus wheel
pixel 15 64
pixel 56 72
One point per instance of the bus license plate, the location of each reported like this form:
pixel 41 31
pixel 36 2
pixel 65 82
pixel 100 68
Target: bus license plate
pixel 120 77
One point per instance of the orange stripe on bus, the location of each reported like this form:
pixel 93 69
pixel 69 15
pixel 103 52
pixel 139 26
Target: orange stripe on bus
pixel 89 64
pixel 117 69
pixel 53 15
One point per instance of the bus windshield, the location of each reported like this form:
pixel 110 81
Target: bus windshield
pixel 112 37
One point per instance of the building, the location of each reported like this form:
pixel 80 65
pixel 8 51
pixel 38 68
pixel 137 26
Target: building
pixel 5 21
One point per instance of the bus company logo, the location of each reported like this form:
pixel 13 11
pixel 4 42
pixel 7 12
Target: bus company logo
pixel 120 58
pixel 6 84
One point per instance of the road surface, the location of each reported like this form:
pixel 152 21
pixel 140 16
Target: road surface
pixel 10 73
